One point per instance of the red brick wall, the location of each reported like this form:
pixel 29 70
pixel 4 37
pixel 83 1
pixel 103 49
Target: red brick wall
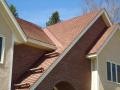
pixel 75 68
pixel 24 57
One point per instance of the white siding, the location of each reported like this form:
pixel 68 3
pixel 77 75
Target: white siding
pixel 111 52
pixel 6 67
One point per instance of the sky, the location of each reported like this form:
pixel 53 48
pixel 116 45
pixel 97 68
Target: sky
pixel 39 11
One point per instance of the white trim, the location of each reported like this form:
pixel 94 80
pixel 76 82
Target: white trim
pixel 117 76
pixel 3 49
pixel 15 27
pixel 11 21
pixel 105 43
pixel 107 19
pixel 66 51
pixel 108 61
pixel 11 63
pixel 52 37
pixel 40 44
pixel 55 88
pixel 91 56
pixel 98 79
pixel 94 73
pixel 116 64
pixel 116 73
pixel 111 72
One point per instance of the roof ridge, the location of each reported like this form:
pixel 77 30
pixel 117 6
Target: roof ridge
pixel 30 23
pixel 82 15
pixel 34 32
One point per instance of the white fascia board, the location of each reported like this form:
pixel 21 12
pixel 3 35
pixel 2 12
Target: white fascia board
pixel 40 44
pixel 53 38
pixel 92 56
pixel 107 18
pixel 11 21
pixel 65 52
pixel 105 43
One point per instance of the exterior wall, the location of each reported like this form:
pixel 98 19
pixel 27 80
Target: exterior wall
pixel 111 52
pixel 6 67
pixel 24 57
pixel 74 68
pixel 94 74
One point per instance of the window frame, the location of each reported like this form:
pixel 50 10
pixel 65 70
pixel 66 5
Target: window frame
pixel 111 63
pixel 109 70
pixel 117 74
pixel 3 49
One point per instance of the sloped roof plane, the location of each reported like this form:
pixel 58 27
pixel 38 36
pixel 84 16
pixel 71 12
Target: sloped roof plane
pixel 19 32
pixel 82 31
pixel 103 41
pixel 78 27
pixel 34 33
pixel 67 31
pixel 11 21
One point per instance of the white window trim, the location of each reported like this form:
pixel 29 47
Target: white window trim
pixel 112 62
pixel 3 49
pixel 116 74
pixel 55 88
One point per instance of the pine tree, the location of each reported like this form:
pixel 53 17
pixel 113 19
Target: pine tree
pixel 13 10
pixel 53 19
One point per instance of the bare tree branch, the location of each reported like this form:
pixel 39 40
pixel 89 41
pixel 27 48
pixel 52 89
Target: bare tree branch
pixel 112 7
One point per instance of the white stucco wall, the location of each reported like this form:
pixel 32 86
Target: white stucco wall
pixel 110 52
pixel 6 67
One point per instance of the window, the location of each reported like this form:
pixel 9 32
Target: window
pixel 109 71
pixel 118 73
pixel 113 72
pixel 1 49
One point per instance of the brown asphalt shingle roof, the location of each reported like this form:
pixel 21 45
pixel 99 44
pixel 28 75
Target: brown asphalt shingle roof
pixel 65 32
pixel 31 77
pixel 33 31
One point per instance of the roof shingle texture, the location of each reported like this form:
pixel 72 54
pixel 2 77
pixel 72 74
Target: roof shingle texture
pixel 64 32
pixel 33 31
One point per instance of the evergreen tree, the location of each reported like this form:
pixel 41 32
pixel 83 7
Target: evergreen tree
pixel 13 10
pixel 53 19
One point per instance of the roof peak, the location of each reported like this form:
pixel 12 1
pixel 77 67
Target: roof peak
pixel 76 17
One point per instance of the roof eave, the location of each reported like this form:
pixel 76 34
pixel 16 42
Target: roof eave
pixel 40 44
pixel 65 51
pixel 11 21
pixel 90 56
pixel 106 18
pixel 19 35
pixel 95 54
